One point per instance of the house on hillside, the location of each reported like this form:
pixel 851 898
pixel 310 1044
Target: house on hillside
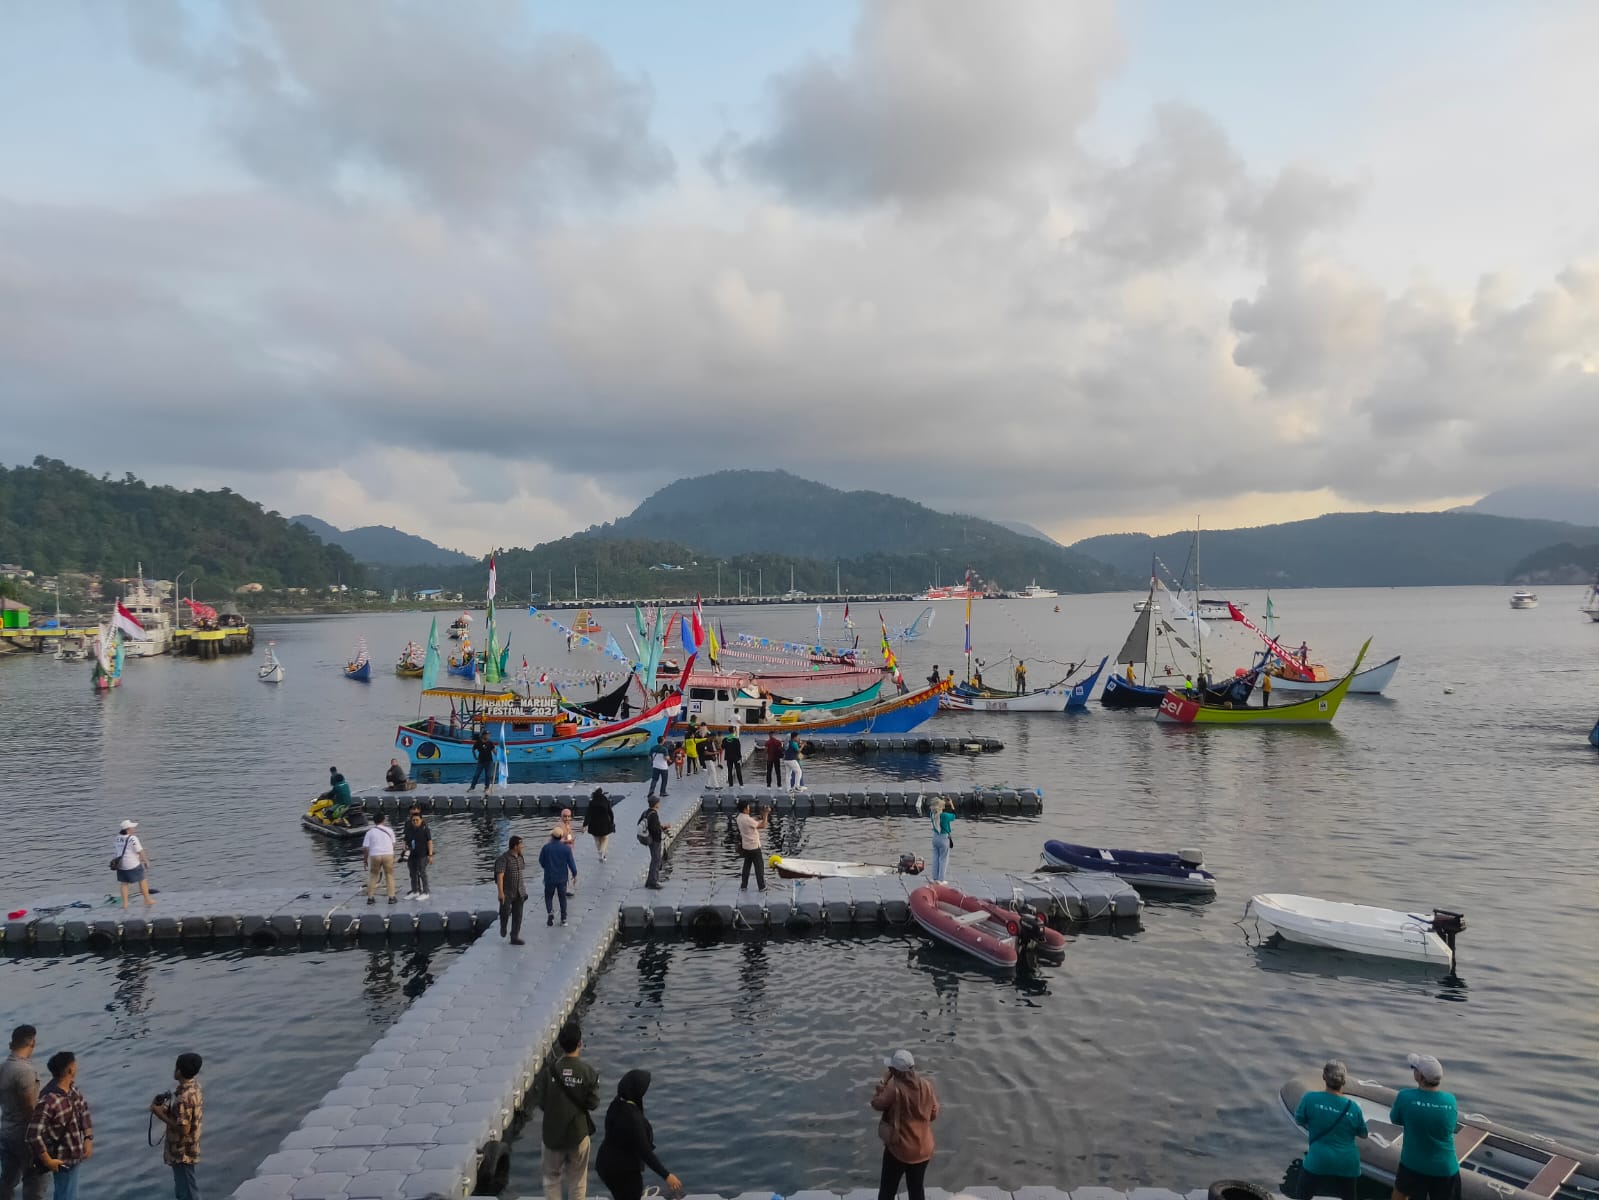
pixel 249 589
pixel 14 614
pixel 428 594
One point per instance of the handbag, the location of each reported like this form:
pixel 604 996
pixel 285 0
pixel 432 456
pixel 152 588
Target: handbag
pixel 116 861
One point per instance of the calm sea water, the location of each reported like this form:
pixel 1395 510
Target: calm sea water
pixel 1153 1055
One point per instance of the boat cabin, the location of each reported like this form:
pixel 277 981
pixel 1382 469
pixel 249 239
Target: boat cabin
pixel 723 703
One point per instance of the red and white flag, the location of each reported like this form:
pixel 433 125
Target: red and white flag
pixel 492 577
pixel 129 624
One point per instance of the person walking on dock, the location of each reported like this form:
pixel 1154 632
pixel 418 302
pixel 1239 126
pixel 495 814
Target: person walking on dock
pixel 483 755
pixel 691 750
pixel 599 821
pixel 660 765
pixel 19 1093
pixel 749 845
pixel 629 1144
pixel 1428 1167
pixel 793 773
pixel 131 862
pixel 909 1106
pixel 943 817
pixel 568 1090
pixel 512 889
pixel 774 760
pixel 182 1115
pixel 655 835
pixel 1331 1166
pixel 377 852
pixel 558 865
pixel 418 852
pixel 60 1131
pixel 733 755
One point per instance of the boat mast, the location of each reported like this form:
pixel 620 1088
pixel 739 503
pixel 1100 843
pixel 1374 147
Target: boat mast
pixel 1149 632
pixel 1199 626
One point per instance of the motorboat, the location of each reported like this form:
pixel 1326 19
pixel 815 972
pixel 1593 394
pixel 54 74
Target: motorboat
pixel 1369 682
pixel 1360 928
pixel 1143 869
pixel 1033 591
pixel 1524 599
pixel 998 935
pixel 1590 602
pixel 318 819
pixel 460 627
pixel 1146 606
pixel 817 868
pixel 1496 1162
pixel 145 606
pixel 270 670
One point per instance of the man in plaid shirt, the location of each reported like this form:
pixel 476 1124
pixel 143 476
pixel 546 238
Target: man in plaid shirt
pixel 60 1132
pixel 181 1116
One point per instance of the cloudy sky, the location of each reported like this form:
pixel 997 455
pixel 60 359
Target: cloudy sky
pixel 494 271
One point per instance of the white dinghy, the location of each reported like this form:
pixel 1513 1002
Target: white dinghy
pixel 819 868
pixel 1359 928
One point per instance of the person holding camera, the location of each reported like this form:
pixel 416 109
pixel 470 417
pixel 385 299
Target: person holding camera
pixel 749 845
pixel 61 1132
pixel 180 1111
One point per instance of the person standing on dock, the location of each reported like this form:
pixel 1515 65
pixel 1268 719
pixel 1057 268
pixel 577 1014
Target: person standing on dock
pixel 559 868
pixel 377 854
pixel 1428 1167
pixel 691 749
pixel 774 760
pixel 483 755
pixel 749 845
pixel 131 862
pixel 793 773
pixel 182 1114
pixel 629 1144
pixel 733 754
pixel 419 853
pixel 943 816
pixel 61 1132
pixel 568 1090
pixel 512 889
pixel 909 1106
pixel 1331 1166
pixel 660 765
pixel 599 821
pixel 19 1093
pixel 655 836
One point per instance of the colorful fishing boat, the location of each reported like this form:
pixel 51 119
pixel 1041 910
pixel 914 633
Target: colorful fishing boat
pixel 539 731
pixel 411 662
pixel 1177 708
pixel 461 627
pixel 585 623
pixel 359 668
pixel 1064 696
pixel 270 670
pixel 1145 642
pixel 782 706
pixel 1369 682
pixel 720 707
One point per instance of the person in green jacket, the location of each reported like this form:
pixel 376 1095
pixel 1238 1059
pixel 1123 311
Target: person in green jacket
pixel 568 1090
pixel 1428 1168
pixel 1333 1121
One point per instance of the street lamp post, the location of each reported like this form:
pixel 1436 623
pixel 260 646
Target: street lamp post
pixel 177 598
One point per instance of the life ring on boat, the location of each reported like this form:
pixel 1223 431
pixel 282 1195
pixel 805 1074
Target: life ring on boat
pixel 427 750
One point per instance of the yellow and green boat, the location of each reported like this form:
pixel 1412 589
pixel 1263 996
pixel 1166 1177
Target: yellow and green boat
pixel 1178 709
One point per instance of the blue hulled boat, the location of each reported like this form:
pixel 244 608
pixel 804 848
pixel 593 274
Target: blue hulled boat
pixel 1077 699
pixel 532 732
pixel 1593 736
pixel 1155 870
pixel 1119 693
pixel 359 668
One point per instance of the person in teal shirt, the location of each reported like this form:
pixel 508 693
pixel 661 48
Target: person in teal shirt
pixel 943 821
pixel 1333 1121
pixel 1428 1168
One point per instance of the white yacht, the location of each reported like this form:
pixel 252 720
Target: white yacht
pixel 1524 600
pixel 1033 592
pixel 1590 602
pixel 141 600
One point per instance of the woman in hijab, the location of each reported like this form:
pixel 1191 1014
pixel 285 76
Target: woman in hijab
pixel 629 1144
pixel 600 820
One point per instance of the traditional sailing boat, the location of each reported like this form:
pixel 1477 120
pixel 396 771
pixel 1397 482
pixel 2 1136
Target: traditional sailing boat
pixel 410 664
pixel 973 696
pixel 1590 603
pixel 270 670
pixel 1123 691
pixel 360 667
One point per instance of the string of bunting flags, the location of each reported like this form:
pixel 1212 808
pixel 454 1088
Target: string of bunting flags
pixel 610 649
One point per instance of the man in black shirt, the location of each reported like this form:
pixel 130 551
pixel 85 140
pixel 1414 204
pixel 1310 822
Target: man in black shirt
pixel 512 890
pixel 418 840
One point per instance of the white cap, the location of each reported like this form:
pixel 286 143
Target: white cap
pixel 1428 1067
pixel 900 1060
pixel 127 825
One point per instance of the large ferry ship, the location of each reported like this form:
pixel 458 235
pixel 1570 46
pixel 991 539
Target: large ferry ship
pixel 141 600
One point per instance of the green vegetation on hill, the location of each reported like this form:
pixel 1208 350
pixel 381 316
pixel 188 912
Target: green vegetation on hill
pixel 57 518
pixel 1565 563
pixel 384 545
pixel 1374 549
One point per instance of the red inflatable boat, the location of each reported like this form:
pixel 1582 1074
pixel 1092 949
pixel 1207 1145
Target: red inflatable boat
pixel 994 933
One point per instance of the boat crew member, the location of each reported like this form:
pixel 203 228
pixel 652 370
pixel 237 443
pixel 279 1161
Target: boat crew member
pixel 395 778
pixel 1333 1121
pixel 1428 1168
pixel 1188 684
pixel 1021 677
pixel 1304 654
pixel 1131 678
pixel 934 678
pixel 977 677
pixel 1265 691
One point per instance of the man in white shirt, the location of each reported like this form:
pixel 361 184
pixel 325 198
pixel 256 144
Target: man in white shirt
pixel 377 852
pixel 749 844
pixel 660 761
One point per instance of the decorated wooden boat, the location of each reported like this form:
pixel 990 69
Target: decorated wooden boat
pixel 817 868
pixel 1146 870
pixel 719 708
pixel 359 668
pixel 1064 696
pixel 1369 682
pixel 782 706
pixel 530 731
pixel 1496 1162
pixel 1118 693
pixel 1179 709
pixel 997 935
pixel 1359 928
pixel 270 670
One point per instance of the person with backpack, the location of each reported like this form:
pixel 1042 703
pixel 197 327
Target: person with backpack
pixel 568 1090
pixel 1332 1121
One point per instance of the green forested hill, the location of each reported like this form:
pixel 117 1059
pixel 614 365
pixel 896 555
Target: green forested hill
pixel 57 518
pixel 1564 563
pixel 384 545
pixel 1374 549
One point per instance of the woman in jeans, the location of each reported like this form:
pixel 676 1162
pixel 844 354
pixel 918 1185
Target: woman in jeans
pixel 909 1106
pixel 943 817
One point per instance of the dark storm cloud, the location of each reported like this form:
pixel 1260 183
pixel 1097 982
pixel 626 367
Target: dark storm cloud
pixel 463 105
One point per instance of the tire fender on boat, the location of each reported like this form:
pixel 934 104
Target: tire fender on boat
pixel 494 1169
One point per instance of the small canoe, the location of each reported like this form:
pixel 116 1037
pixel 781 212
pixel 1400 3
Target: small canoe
pixel 361 672
pixel 1496 1162
pixel 817 868
pixel 1369 682
pixel 407 671
pixel 1064 696
pixel 1143 869
pixel 1359 928
pixel 270 670
pixel 995 934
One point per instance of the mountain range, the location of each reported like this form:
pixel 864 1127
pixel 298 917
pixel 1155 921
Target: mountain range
pixel 1546 502
pixel 383 545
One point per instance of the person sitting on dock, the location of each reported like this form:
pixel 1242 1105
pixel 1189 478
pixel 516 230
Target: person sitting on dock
pixel 396 778
pixel 1331 1166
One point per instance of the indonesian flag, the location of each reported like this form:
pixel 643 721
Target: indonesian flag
pixel 492 577
pixel 848 624
pixel 129 624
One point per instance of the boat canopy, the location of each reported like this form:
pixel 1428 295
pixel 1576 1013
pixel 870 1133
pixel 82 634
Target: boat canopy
pixel 499 695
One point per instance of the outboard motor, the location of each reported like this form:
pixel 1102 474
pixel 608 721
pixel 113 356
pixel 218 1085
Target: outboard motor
pixel 1192 859
pixel 1448 925
pixel 909 864
pixel 1029 937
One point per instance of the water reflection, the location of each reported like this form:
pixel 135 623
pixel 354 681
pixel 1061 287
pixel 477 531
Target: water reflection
pixel 132 997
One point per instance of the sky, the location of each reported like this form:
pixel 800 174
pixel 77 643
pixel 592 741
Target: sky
pixel 495 271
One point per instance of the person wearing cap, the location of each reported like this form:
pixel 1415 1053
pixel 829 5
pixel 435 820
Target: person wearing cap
pixel 1428 1168
pixel 558 866
pixel 599 820
pixel 909 1106
pixel 655 836
pixel 1333 1121
pixel 131 862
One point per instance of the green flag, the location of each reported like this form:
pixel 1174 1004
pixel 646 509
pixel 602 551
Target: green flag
pixel 430 665
pixel 491 651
